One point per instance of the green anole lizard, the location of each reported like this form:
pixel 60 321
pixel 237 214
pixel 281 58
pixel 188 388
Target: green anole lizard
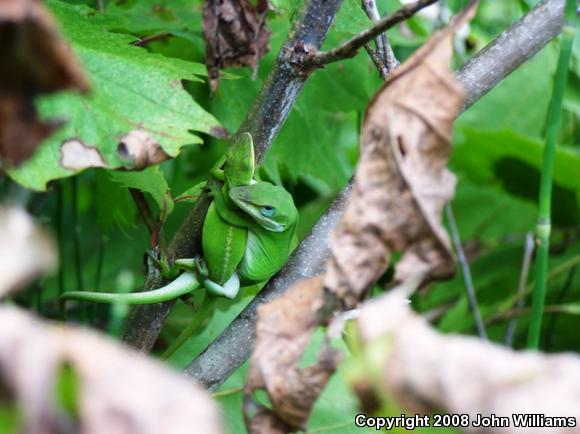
pixel 248 235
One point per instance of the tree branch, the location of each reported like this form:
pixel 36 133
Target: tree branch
pixel 227 353
pixel 263 121
pixel 378 61
pixel 384 49
pixel 370 9
pixel 510 49
pixel 350 48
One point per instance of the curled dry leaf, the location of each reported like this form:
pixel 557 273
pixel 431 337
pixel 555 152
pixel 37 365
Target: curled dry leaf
pixel 117 390
pixel 402 182
pixel 34 60
pixel 26 251
pixel 284 329
pixel 235 33
pixel 139 150
pixel 426 371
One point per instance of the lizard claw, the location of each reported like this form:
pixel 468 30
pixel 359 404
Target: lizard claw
pixel 201 267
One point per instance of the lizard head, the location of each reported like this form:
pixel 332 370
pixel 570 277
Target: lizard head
pixel 270 206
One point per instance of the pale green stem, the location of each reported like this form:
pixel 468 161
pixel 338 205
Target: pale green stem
pixel 543 227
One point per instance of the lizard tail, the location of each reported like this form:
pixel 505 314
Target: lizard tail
pixel 185 283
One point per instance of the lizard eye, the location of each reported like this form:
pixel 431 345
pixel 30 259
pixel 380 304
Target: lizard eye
pixel 267 211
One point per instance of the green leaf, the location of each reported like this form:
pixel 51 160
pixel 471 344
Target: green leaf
pixel 311 147
pixel 334 411
pixel 572 95
pixel 217 321
pixel 139 16
pixel 151 181
pixel 285 7
pixel 513 162
pixel 496 275
pixel 131 89
pixel 11 418
pixel 349 20
pixel 113 204
pixel 485 217
pixel 67 392
pixel 487 214
pixel 518 103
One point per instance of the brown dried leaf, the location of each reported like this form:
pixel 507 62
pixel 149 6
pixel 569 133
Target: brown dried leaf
pixel 26 251
pixel 119 390
pixel 138 149
pixel 34 60
pixel 426 371
pixel 284 329
pixel 266 422
pixel 402 181
pixel 236 34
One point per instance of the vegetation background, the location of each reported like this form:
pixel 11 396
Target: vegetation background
pixel 498 145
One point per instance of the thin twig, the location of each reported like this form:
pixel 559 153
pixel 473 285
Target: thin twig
pixel 233 346
pixel 77 244
pixel 520 311
pixel 350 48
pixel 384 49
pixel 59 223
pixel 100 262
pixel 148 39
pixel 551 327
pixel 378 61
pixel 370 8
pixel 564 267
pixel 466 272
pixel 144 210
pixel 528 253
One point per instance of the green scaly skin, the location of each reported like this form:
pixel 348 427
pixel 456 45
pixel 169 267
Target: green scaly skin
pixel 184 284
pixel 248 235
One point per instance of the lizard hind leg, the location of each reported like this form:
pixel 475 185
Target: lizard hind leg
pixel 229 289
